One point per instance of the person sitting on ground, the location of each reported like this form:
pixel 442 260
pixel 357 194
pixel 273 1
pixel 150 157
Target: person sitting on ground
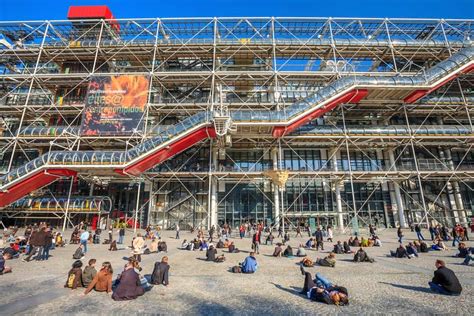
pixel 469 257
pixel 288 251
pixel 444 280
pixel 463 251
pixel 400 252
pixel 439 246
pixel 248 266
pixel 220 244
pixel 226 243
pixel 347 248
pixel 211 253
pixel 329 261
pixel 13 250
pixel 113 246
pixel 350 241
pixel 278 250
pixel 355 242
pixel 310 243
pixel 162 246
pixel 364 242
pixel 307 262
pixel 129 283
pixel 89 273
pixel 102 281
pixel 74 276
pixel 321 290
pixel 153 245
pixel 59 241
pixel 232 248
pixel 160 272
pixel 4 268
pixel 417 245
pixel 269 239
pixel 411 250
pixel 362 256
pixel 204 246
pixel 377 241
pixel 338 248
pixel 301 252
pixel 79 253
pixel 423 247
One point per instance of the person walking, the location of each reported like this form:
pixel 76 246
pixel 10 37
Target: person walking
pixel 84 239
pixel 177 231
pixel 319 239
pixel 418 232
pixel 399 234
pixel 329 232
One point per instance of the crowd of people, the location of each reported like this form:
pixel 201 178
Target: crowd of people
pixel 38 240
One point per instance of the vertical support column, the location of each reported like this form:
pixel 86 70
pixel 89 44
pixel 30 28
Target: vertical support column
pixel 213 190
pixel 66 213
pixel 335 155
pixel 383 185
pixel 396 189
pixel 136 209
pixel 276 189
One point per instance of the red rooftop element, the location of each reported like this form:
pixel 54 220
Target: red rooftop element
pixel 92 12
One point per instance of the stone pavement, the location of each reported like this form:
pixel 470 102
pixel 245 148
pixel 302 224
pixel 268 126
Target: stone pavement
pixel 388 286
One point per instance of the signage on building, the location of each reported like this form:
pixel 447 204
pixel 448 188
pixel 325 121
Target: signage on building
pixel 115 105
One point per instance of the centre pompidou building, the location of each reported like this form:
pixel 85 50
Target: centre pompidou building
pixel 205 121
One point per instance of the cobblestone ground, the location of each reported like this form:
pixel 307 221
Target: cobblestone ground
pixel 388 286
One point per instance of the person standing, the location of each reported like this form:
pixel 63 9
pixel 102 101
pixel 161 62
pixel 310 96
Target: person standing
pixel 177 231
pixel 298 231
pixel 256 242
pixel 432 232
pixel 319 239
pixel 444 280
pixel 330 235
pixel 84 239
pixel 121 235
pixel 48 243
pixel 399 234
pixel 418 232
pixel 111 233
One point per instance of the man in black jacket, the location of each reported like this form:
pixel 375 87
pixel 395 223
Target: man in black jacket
pixel 444 280
pixel 319 239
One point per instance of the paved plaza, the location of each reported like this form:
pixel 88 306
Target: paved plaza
pixel 388 286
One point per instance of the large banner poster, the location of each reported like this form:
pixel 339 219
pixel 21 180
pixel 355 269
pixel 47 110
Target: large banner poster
pixel 115 105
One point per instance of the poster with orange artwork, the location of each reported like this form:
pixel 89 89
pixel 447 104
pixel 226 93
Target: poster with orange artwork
pixel 115 105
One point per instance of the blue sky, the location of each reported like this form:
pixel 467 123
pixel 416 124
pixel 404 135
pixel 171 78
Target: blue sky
pixel 57 9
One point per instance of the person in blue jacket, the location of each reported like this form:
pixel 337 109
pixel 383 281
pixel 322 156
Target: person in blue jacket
pixel 250 264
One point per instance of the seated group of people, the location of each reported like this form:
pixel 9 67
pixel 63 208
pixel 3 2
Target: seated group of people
pixel 129 284
pixel 288 252
pixel 196 244
pixel 211 254
pixel 411 250
pixel 373 241
pixel 341 248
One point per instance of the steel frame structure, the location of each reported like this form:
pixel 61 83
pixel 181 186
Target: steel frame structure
pixel 253 65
